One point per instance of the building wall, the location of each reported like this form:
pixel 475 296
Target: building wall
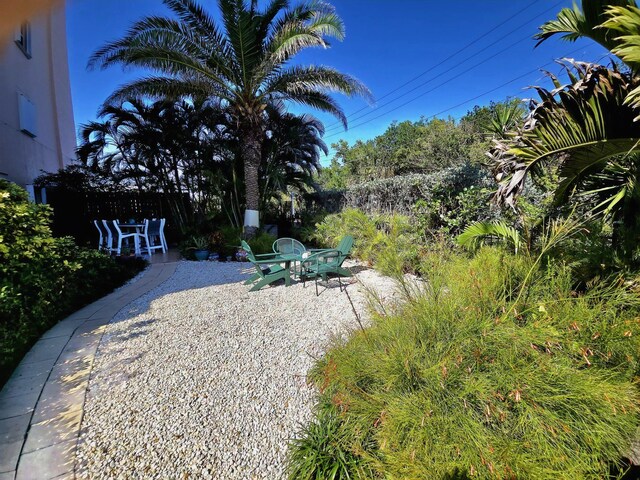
pixel 44 80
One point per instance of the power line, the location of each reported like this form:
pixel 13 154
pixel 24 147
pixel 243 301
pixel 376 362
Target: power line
pixel 462 103
pixel 479 64
pixel 445 60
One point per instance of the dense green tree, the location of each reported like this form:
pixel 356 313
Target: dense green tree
pixel 333 177
pixel 244 61
pixel 423 146
pixel 161 146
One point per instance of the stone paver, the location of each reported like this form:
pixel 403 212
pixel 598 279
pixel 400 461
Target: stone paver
pixel 41 405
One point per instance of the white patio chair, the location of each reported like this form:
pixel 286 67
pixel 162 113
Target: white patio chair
pixel 119 237
pixel 105 240
pixel 112 234
pixel 154 230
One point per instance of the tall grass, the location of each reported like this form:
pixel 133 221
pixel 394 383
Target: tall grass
pixel 496 368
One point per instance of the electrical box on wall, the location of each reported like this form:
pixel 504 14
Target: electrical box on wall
pixel 27 115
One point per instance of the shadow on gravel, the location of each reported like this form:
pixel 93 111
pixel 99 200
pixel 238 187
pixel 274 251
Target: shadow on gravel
pixel 135 330
pixel 356 269
pixel 211 274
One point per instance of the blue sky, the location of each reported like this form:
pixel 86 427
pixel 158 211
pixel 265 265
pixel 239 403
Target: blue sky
pixel 464 53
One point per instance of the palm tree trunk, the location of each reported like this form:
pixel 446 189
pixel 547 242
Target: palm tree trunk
pixel 251 149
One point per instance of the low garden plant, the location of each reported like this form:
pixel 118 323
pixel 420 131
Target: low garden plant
pixel 43 278
pixel 493 367
pixel 391 243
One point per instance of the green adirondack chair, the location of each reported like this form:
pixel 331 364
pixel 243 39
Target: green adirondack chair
pixel 323 262
pixel 344 247
pixel 265 276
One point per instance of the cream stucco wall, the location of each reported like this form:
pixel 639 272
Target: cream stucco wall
pixel 44 80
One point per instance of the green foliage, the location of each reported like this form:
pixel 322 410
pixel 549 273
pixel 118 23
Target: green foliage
pixel 450 211
pixel 333 177
pixel 42 278
pixel 587 132
pixel 574 23
pixel 421 147
pixel 425 146
pixel 198 242
pixel 226 241
pixel 493 368
pixel 320 453
pixel 484 119
pixel 389 242
pixel 262 243
pixel 400 194
pixel 477 234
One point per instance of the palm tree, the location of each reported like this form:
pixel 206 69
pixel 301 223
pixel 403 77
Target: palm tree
pixel 244 62
pixel 161 146
pixel 588 133
pixel 291 153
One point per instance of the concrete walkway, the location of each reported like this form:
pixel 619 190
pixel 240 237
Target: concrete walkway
pixel 42 404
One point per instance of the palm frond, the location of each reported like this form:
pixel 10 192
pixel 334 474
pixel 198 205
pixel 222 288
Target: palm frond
pixel 574 23
pixel 581 127
pixel 161 88
pixel 314 99
pixel 297 79
pixel 477 234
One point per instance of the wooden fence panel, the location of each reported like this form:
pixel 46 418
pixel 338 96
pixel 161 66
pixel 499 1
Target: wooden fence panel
pixel 74 212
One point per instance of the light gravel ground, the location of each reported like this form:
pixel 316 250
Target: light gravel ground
pixel 201 378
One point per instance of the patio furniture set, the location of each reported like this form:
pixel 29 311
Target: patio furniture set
pixel 148 235
pixel 292 258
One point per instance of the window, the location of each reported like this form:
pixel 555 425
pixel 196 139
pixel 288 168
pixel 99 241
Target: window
pixel 23 39
pixel 27 115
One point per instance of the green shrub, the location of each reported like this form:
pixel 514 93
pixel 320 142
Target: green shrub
pixel 400 193
pixel 389 242
pixel 42 278
pixel 262 243
pixel 226 242
pixel 320 452
pixel 495 369
pixel 230 240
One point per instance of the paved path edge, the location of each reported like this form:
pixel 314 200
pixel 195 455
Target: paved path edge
pixel 42 404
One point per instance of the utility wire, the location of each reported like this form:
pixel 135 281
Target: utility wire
pixel 457 52
pixel 332 130
pixel 462 103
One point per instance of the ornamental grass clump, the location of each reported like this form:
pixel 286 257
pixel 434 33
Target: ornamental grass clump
pixel 390 242
pixel 494 368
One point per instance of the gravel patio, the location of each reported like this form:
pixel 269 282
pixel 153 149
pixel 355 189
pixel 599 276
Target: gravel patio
pixel 199 378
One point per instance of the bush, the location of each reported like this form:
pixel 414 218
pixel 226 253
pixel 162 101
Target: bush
pixel 42 278
pixel 262 243
pixel 389 242
pixel 495 369
pixel 399 194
